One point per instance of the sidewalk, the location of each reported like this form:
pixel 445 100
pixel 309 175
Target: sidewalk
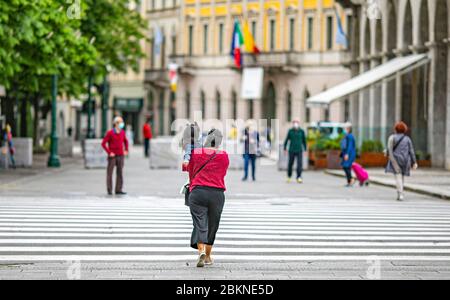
pixel 432 182
pixel 39 167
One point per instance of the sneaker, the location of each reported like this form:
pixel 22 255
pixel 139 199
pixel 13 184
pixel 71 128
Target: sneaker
pixel 201 260
pixel 121 193
pixel 400 197
pixel 299 180
pixel 288 180
pixel 208 261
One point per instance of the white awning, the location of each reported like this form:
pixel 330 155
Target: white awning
pixel 377 74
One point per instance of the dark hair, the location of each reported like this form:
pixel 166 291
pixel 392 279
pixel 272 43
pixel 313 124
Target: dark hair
pixel 401 127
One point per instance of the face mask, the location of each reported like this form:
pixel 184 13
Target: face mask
pixel 296 125
pixel 122 125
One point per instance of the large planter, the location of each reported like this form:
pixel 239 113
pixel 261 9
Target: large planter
pixel 318 159
pixel 333 159
pixel 424 163
pixel 373 159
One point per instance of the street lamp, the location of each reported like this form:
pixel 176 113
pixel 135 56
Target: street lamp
pixel 53 160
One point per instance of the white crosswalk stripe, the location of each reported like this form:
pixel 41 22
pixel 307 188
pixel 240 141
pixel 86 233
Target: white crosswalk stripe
pixel 159 230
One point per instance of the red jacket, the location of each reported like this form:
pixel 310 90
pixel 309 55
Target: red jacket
pixel 115 142
pixel 213 174
pixel 147 131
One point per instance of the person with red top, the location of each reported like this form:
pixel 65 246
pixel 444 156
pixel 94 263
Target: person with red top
pixel 207 170
pixel 147 133
pixel 115 144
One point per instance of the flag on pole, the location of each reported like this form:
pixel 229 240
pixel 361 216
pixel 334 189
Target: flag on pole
pixel 341 37
pixel 173 76
pixel 249 41
pixel 158 41
pixel 236 43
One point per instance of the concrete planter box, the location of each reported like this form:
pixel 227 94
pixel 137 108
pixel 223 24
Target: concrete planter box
pixel 162 156
pixel 24 152
pixel 65 147
pixel 94 155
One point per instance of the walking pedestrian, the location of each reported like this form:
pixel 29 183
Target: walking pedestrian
pixel 10 146
pixel 115 144
pixel 401 157
pixel 147 133
pixel 207 170
pixel 348 154
pixel 251 148
pixel 296 139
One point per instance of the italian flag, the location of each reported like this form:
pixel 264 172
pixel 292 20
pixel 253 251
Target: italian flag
pixel 237 42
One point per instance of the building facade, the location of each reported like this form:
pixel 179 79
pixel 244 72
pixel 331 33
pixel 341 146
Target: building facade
pixel 299 56
pixel 388 29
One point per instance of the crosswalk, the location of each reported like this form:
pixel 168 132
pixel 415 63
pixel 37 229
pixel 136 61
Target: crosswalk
pixel 156 229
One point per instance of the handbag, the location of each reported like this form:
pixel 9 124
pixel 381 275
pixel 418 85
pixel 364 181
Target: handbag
pixel 186 188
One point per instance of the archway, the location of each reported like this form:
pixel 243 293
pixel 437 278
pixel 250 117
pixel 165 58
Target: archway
pixel 407 79
pixel 269 103
pixel 440 86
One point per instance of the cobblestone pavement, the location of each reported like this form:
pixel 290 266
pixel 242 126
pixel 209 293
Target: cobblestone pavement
pixel 60 225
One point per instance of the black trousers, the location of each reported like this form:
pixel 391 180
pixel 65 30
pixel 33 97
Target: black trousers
pixel 292 157
pixel 146 147
pixel 206 205
pixel 348 174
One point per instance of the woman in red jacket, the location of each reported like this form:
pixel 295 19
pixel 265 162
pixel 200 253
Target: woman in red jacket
pixel 207 170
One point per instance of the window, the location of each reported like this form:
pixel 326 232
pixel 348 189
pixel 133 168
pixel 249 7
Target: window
pixel 153 4
pixel 221 38
pixel 254 29
pixel 218 105
pixel 329 32
pixel 163 4
pixel 234 104
pixel 349 27
pixel 291 34
pixel 152 52
pixel 203 104
pixel 310 33
pixel 250 109
pixel 188 105
pixel 191 37
pixel 346 110
pixel 205 38
pixel 289 107
pixel 272 35
pixel 174 44
pixel 327 114
pixel 163 50
pixel 308 115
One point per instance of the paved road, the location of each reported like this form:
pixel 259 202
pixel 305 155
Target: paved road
pixel 53 225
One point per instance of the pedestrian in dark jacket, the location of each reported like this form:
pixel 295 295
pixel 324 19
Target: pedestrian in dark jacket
pixel 348 154
pixel 401 157
pixel 296 139
pixel 251 148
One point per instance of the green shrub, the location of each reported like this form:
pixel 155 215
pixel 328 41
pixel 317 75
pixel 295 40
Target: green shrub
pixel 370 146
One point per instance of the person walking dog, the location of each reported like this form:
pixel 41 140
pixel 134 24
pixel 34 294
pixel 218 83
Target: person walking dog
pixel 115 144
pixel 207 170
pixel 401 157
pixel 296 139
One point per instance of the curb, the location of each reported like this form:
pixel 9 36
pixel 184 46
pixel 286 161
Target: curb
pixel 407 187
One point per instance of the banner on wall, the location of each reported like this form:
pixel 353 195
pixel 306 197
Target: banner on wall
pixel 252 83
pixel 173 76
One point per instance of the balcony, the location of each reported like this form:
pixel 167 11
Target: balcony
pixel 157 77
pixel 188 64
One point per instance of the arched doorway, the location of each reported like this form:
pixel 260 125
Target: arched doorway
pixel 269 103
pixel 407 79
pixel 440 87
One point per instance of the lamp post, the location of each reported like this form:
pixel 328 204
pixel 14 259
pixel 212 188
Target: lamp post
pixel 53 160
pixel 89 134
pixel 105 98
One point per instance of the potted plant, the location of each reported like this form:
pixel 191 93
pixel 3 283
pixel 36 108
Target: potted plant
pixel 423 159
pixel 372 154
pixel 318 154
